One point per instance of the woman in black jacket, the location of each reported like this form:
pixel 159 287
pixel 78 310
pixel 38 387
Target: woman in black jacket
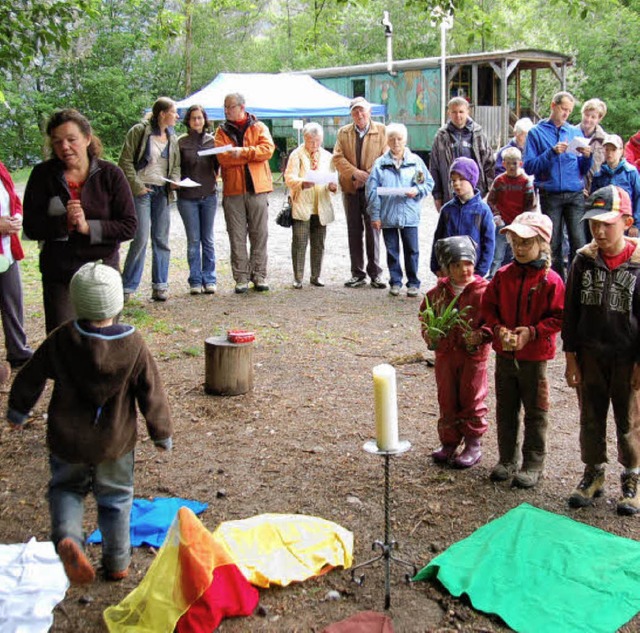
pixel 197 205
pixel 78 206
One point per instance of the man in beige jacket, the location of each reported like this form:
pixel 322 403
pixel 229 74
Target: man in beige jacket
pixel 358 145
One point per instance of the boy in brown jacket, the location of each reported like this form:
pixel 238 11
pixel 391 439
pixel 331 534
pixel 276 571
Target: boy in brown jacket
pixel 100 370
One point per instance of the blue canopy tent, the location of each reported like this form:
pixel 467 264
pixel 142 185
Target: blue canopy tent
pixel 272 96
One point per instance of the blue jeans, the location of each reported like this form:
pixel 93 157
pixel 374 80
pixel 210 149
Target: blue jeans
pixel 198 216
pixel 411 250
pixel 153 214
pixel 502 254
pixel 564 208
pixel 112 485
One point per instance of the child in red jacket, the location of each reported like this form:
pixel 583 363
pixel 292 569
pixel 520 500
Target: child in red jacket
pixel 523 306
pixel 461 357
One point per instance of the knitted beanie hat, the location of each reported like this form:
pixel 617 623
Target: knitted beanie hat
pixel 96 292
pixel 467 168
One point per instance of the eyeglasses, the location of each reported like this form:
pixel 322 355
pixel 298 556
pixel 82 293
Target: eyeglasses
pixel 232 106
pixel 520 243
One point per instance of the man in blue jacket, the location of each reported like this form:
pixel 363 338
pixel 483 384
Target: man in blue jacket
pixel 559 175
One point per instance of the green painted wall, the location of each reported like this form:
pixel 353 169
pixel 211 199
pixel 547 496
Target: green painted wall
pixel 411 97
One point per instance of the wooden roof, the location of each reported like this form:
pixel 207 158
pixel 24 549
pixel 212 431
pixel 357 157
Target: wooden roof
pixel 528 58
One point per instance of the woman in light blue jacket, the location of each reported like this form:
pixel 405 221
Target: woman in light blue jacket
pixel 396 186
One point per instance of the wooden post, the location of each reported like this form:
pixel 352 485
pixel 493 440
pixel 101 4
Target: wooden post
pixel 228 367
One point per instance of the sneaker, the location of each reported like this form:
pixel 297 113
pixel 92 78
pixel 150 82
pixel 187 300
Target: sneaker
pixel 412 291
pixel 502 472
pixel 378 283
pixel 160 294
pixel 526 479
pixel 394 290
pixel 317 282
pixel 444 453
pixel 242 287
pixel 77 566
pixel 355 282
pixel 210 289
pixel 195 290
pixel 591 486
pixel 629 502
pixel 260 286
pixel 116 576
pixel 297 285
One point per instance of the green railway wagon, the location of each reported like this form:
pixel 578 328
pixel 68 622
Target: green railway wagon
pixel 501 87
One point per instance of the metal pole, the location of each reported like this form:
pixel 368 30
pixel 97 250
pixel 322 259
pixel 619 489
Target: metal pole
pixel 443 72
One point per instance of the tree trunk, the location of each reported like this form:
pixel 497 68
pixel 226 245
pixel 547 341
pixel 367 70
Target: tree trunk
pixel 228 367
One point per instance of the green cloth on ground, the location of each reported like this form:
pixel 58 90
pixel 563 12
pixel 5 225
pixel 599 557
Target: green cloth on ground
pixel 542 572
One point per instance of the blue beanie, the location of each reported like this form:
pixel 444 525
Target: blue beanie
pixel 467 168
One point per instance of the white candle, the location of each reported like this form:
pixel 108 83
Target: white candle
pixel 384 391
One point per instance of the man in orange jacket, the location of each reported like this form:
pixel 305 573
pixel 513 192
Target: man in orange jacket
pixel 246 179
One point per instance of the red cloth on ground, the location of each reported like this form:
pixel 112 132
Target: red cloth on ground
pixel 229 595
pixel 363 622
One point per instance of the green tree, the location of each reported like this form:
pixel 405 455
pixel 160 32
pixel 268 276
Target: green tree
pixel 31 29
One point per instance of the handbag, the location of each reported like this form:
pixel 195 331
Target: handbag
pixel 284 218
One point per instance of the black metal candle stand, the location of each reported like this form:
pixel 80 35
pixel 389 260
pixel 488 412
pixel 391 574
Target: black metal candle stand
pixel 388 546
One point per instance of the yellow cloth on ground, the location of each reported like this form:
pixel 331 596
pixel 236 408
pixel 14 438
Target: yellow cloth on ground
pixel 178 576
pixel 280 549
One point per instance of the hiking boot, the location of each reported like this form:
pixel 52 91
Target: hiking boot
pixel 502 472
pixel 471 454
pixel 297 285
pixel 591 486
pixel 210 289
pixel 159 294
pixel 526 479
pixel 412 291
pixel 195 290
pixel 355 282
pixel 260 286
pixel 77 566
pixel 242 287
pixel 394 291
pixel 316 281
pixel 444 453
pixel 629 502
pixel 378 283
pixel 127 296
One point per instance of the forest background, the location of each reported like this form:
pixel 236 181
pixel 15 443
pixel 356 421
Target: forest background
pixel 112 58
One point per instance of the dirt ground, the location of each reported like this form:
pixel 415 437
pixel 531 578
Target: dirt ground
pixel 294 443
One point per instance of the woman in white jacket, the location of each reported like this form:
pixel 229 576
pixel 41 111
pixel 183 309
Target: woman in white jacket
pixel 312 206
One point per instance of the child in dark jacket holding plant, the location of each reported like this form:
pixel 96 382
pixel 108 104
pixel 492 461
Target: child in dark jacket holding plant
pixel 461 355
pixel 100 370
pixel 466 214
pixel 523 307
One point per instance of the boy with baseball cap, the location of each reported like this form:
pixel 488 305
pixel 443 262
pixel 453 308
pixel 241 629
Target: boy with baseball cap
pixel 100 370
pixel 601 336
pixel 523 307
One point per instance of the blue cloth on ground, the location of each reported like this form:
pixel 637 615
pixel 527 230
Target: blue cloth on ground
pixel 151 520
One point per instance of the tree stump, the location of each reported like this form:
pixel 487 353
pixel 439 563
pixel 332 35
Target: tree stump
pixel 228 367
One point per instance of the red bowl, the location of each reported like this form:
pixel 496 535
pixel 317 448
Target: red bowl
pixel 240 336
